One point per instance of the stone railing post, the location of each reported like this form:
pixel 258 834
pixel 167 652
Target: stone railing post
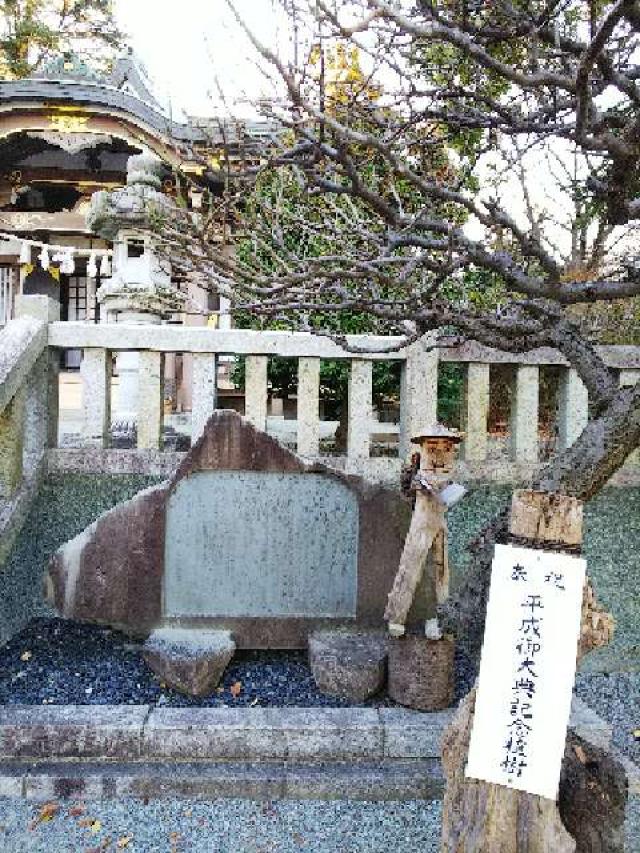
pixel 43 308
pixel 150 401
pixel 631 376
pixel 360 409
pixel 95 373
pixel 418 393
pixel 475 411
pixel 204 392
pixel 573 408
pixel 308 439
pixel 11 445
pixel 36 417
pixel 525 413
pixel 255 390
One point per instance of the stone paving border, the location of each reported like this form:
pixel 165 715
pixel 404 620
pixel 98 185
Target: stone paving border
pixel 147 733
pixel 96 751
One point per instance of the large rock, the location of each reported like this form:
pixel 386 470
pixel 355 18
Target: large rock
pixel 191 661
pixel 348 664
pixel 245 537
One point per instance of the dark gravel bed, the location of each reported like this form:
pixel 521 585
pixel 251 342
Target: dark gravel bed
pixel 56 662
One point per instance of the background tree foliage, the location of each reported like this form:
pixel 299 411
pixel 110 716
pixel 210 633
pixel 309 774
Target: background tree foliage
pixel 33 30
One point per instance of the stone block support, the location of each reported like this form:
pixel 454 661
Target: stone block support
pixel 475 412
pixel 204 391
pixel 95 373
pixel 255 390
pixel 525 413
pixel 150 401
pixel 418 393
pixel 11 445
pixel 36 433
pixel 308 407
pixel 360 409
pixel 573 408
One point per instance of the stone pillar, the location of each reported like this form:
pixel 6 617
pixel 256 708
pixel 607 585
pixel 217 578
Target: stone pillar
pixel 95 373
pixel 53 397
pixel 524 413
pixel 11 445
pixel 360 409
pixel 573 408
pixel 150 401
pixel 475 412
pixel 418 393
pixel 127 367
pixel 36 432
pixel 308 407
pixel 631 377
pixel 255 390
pixel 203 392
pixel 43 308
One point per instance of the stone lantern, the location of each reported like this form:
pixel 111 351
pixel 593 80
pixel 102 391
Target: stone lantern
pixel 139 289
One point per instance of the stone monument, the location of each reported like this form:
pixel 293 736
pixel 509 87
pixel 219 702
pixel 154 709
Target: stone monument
pixel 246 540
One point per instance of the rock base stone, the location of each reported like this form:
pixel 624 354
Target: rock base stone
pixel 351 665
pixel 421 672
pixel 191 661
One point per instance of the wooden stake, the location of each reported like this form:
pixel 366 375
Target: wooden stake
pixel 427 522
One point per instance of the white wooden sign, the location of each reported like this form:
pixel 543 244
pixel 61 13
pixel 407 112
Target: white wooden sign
pixel 527 669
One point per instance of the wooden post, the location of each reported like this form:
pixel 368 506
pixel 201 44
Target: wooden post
pixel 427 522
pixel 480 817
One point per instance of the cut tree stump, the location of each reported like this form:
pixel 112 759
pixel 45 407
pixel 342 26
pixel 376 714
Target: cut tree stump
pixel 480 817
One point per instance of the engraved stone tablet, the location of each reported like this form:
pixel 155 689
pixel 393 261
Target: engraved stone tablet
pixel 242 543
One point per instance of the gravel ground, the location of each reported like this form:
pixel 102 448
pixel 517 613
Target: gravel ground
pixel 65 663
pixel 231 826
pixel 223 826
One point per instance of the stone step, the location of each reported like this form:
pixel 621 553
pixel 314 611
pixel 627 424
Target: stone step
pixel 389 780
pixel 147 733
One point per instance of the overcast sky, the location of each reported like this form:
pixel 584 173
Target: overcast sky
pixel 185 44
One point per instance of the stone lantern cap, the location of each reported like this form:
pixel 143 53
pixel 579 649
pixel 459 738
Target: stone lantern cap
pixel 437 431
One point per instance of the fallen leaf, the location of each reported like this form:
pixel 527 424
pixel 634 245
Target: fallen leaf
pixel 636 734
pixel 25 656
pixel 188 812
pixel 95 826
pixel 48 812
pixel 124 841
pixel 78 810
pixel 236 689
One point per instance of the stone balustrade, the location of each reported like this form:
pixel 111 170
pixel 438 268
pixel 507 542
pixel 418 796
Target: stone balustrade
pixel 28 391
pixel 418 391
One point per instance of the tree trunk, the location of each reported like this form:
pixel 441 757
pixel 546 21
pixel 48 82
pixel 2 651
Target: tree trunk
pixel 480 817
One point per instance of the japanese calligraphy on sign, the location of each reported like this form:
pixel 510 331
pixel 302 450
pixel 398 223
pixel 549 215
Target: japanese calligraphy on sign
pixel 527 669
